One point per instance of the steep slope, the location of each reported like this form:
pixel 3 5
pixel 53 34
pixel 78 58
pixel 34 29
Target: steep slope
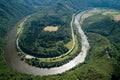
pixel 37 3
pixel 72 4
pixel 12 10
pixel 9 13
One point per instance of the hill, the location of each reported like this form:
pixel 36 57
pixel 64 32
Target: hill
pixel 11 11
pixel 72 4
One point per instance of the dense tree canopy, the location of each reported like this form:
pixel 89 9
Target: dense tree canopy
pixel 95 68
pixel 37 42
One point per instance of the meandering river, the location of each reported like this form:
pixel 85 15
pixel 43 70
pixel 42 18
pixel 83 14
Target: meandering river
pixel 14 61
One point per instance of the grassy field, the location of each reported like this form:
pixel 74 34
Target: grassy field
pixel 88 14
pixel 114 14
pixel 20 27
pixel 69 44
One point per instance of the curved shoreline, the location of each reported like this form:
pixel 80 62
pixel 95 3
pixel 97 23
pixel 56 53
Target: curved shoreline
pixel 14 61
pixel 30 56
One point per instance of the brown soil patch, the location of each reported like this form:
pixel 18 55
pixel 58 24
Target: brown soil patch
pixel 117 17
pixel 51 28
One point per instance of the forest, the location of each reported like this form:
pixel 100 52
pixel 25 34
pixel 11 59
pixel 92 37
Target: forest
pixel 104 30
pixel 44 44
pixel 96 67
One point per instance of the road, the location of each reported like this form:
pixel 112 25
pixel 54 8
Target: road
pixel 30 56
pixel 14 61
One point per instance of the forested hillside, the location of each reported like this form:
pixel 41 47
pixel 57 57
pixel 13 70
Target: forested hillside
pixel 11 11
pixel 42 43
pixel 72 4
pixel 103 35
pixel 37 3
pixel 10 14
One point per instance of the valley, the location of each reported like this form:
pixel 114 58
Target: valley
pixel 56 70
pixel 59 40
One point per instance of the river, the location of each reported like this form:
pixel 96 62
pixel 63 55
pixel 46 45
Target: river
pixel 14 61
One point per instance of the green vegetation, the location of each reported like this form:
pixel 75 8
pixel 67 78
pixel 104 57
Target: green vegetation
pixel 20 27
pixel 113 14
pixel 47 44
pixel 48 63
pixel 95 67
pixel 69 44
pixel 103 34
pixel 39 43
pixel 72 53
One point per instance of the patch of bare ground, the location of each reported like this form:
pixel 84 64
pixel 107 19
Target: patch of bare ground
pixel 51 28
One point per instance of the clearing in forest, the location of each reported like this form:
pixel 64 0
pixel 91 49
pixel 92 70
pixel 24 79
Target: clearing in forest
pixel 51 28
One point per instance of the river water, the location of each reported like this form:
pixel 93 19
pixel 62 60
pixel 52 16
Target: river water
pixel 14 61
